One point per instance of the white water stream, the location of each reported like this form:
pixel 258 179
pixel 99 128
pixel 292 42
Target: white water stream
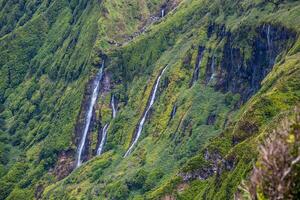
pixel 162 12
pixel 114 110
pixel 89 114
pixel 213 71
pixel 142 122
pixel 101 146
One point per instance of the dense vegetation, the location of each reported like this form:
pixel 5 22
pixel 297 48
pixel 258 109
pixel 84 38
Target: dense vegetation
pixel 50 51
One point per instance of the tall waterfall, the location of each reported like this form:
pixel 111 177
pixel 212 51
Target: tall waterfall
pixel 141 124
pixel 113 106
pixel 103 139
pixel 88 117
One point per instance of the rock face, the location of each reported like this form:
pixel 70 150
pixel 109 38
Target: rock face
pixel 240 71
pixel 216 165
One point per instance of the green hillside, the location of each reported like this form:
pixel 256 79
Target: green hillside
pixel 232 76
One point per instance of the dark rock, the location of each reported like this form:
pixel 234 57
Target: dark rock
pixel 244 76
pixel 211 119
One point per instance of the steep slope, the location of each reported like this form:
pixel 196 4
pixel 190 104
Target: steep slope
pixel 206 82
pixel 239 51
pixel 47 58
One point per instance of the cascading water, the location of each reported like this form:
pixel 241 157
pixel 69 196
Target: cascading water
pixel 213 74
pixel 103 139
pixel 114 110
pixel 141 124
pixel 162 12
pixel 88 117
pixel 173 111
pixel 268 37
pixel 197 66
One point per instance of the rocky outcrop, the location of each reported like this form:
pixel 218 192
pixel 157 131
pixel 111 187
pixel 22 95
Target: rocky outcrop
pixel 215 165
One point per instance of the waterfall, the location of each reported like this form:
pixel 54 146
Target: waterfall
pixel 162 12
pixel 197 65
pixel 212 67
pixel 173 111
pixel 103 139
pixel 114 110
pixel 89 114
pixel 269 50
pixel 141 124
pixel 268 37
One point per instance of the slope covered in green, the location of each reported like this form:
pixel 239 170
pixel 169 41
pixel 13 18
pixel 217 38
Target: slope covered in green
pixel 200 137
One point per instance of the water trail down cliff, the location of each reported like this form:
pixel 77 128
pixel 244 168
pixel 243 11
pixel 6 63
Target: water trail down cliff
pixel 162 12
pixel 173 111
pixel 213 71
pixel 103 139
pixel 88 117
pixel 150 103
pixel 197 65
pixel 114 110
pixel 268 37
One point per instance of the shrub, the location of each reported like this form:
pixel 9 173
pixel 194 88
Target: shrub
pixel 277 173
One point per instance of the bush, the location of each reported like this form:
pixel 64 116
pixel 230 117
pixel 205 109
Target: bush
pixel 277 173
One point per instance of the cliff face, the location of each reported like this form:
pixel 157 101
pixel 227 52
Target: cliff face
pixel 242 73
pixel 230 74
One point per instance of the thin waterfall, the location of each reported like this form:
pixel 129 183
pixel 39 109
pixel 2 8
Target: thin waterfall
pixel 173 111
pixel 197 65
pixel 212 67
pixel 89 114
pixel 269 43
pixel 141 124
pixel 103 139
pixel 162 12
pixel 114 110
pixel 268 37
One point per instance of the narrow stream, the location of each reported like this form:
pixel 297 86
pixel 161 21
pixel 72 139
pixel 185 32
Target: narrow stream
pixel 162 12
pixel 213 71
pixel 113 106
pixel 103 139
pixel 197 66
pixel 89 114
pixel 142 122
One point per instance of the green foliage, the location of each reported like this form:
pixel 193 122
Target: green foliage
pixel 50 49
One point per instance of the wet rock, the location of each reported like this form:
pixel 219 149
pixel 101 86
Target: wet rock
pixel 242 75
pixel 196 73
pixel 64 165
pixel 211 119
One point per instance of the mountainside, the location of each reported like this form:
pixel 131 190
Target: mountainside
pixel 153 99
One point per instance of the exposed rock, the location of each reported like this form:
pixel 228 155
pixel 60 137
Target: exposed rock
pixel 38 191
pixel 216 165
pixel 211 119
pixel 239 74
pixel 64 165
pixel 246 130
